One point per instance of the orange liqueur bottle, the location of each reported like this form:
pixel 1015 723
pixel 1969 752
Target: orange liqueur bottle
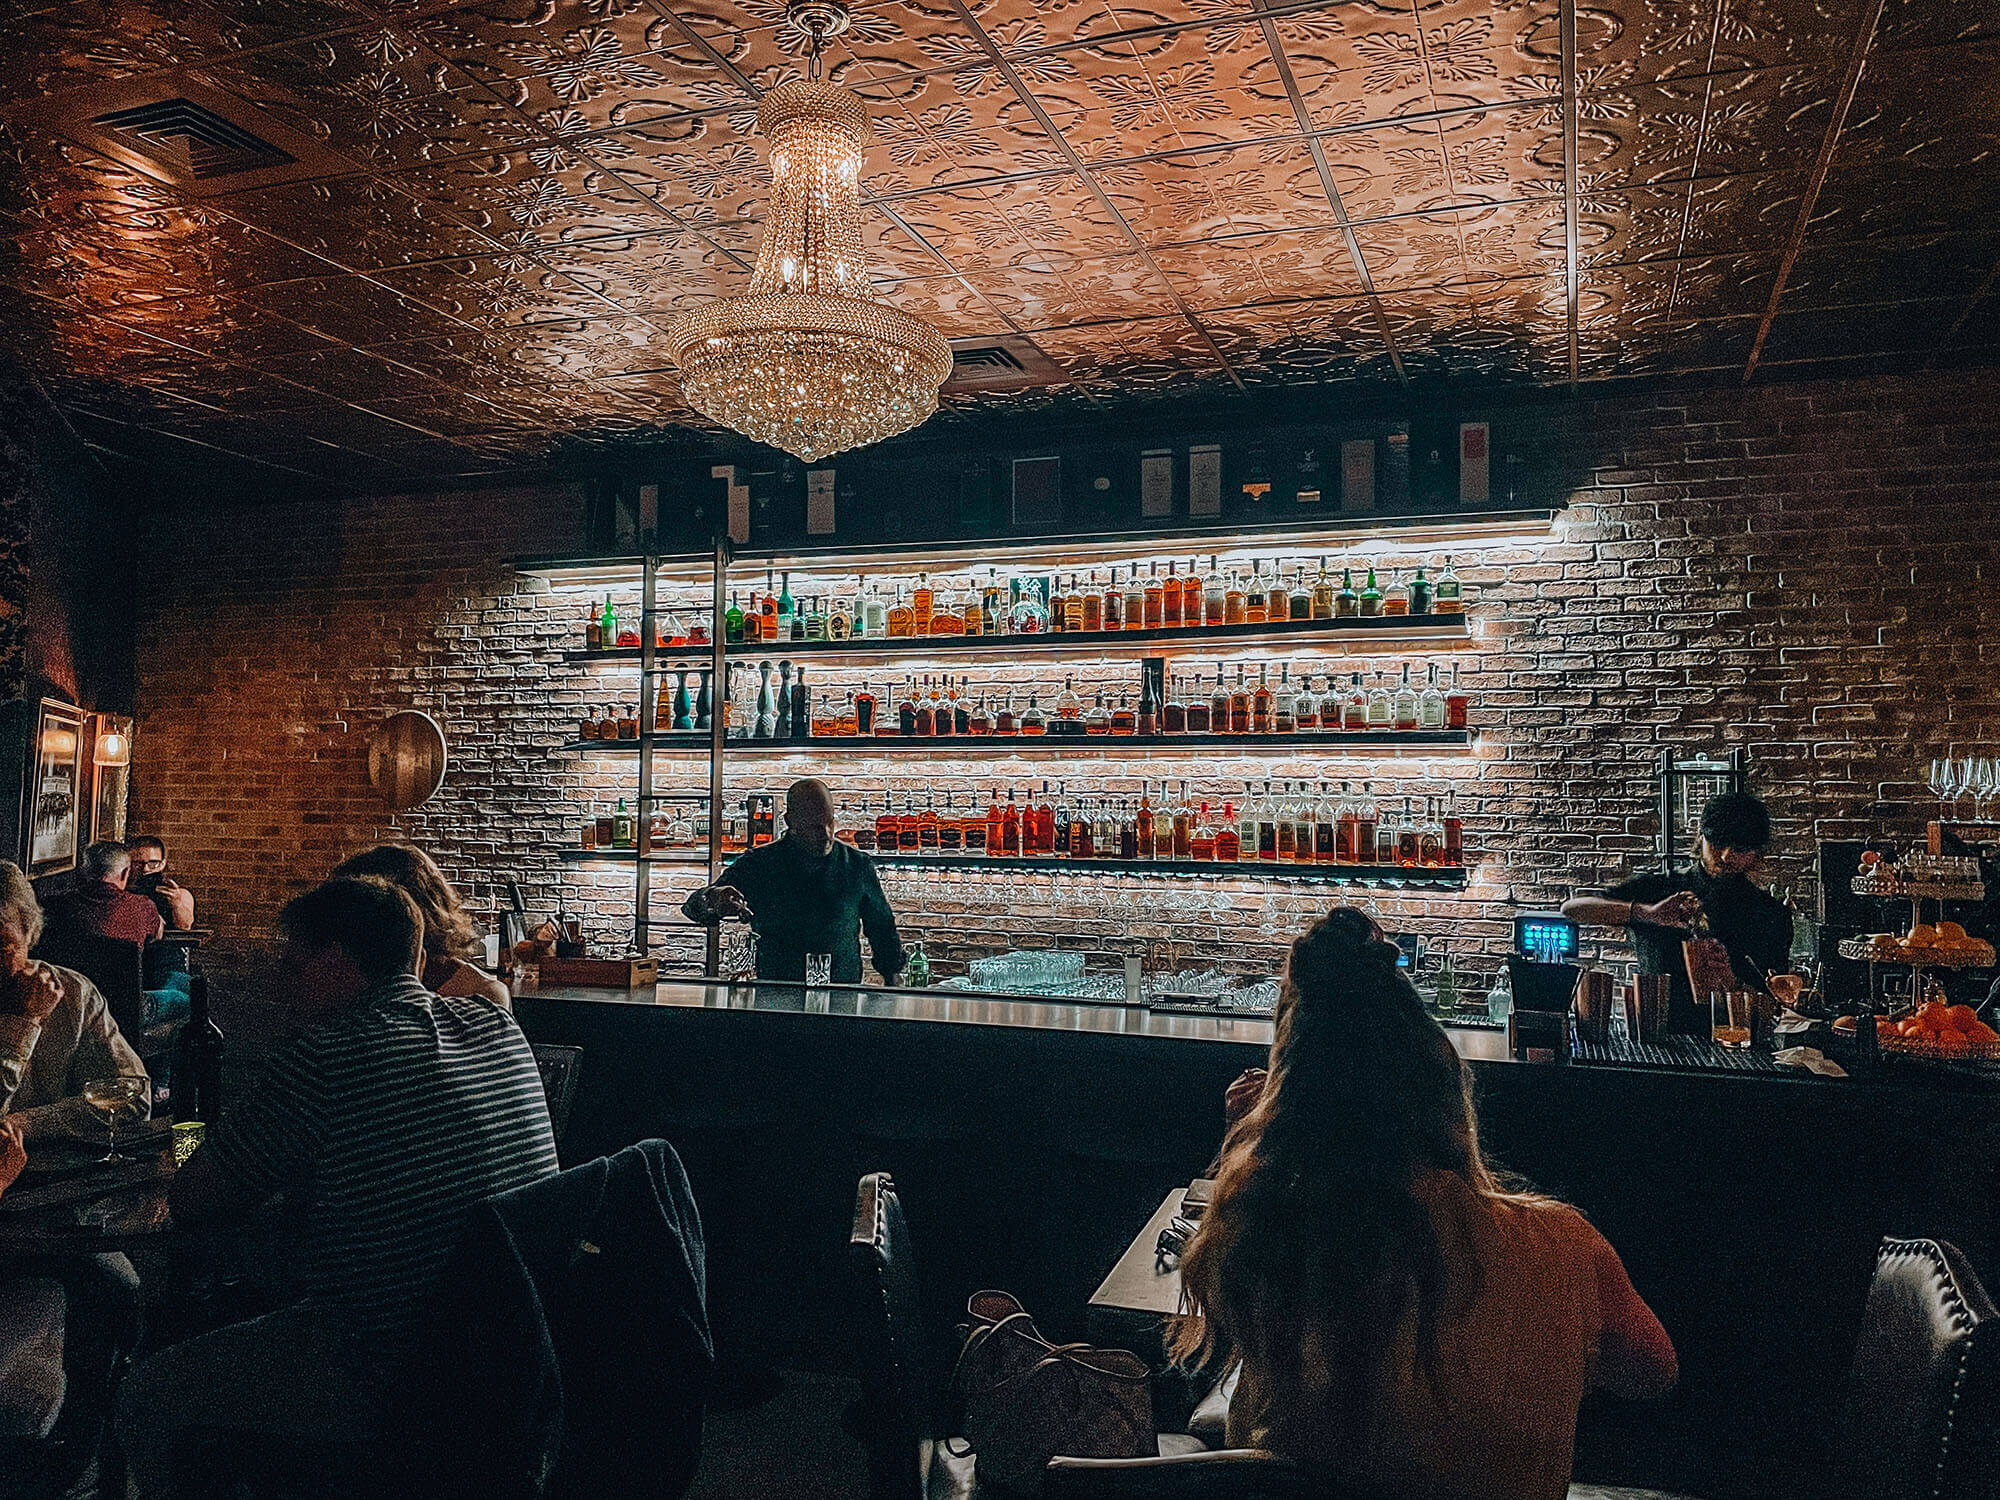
pixel 1228 847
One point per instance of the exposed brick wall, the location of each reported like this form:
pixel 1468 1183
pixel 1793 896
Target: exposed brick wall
pixel 1807 571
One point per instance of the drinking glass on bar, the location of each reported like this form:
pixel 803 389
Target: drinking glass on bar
pixel 1731 1015
pixel 117 1098
pixel 819 970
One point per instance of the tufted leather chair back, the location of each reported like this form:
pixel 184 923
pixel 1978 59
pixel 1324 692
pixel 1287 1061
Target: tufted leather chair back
pixel 1923 1402
pixel 895 1378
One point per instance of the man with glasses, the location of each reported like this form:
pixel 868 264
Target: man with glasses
pixel 150 879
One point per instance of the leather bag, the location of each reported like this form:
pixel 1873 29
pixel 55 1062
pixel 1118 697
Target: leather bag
pixel 1027 1400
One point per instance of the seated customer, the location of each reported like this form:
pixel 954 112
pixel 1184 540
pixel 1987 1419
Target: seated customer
pixel 1406 1326
pixel 449 939
pixel 384 1121
pixel 56 1034
pixel 173 901
pixel 100 906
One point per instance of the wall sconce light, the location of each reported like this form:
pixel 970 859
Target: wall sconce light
pixel 114 742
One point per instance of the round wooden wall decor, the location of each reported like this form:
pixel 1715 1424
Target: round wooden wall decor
pixel 406 759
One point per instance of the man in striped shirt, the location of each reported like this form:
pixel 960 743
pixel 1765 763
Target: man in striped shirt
pixel 382 1123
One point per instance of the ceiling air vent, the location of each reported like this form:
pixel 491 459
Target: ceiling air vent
pixel 1000 364
pixel 193 141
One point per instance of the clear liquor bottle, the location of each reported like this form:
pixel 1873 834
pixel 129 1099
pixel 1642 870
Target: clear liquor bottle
pixel 1381 705
pixel 922 604
pixel 1068 711
pixel 1385 837
pixel 1153 600
pixel 1367 823
pixel 1456 702
pixel 1284 703
pixel 1218 705
pixel 1450 594
pixel 1409 841
pixel 1300 606
pixel 1346 828
pixel 1396 598
pixel 1214 595
pixel 1097 721
pixel 1239 704
pixel 1305 707
pixel 1326 828
pixel 1256 599
pixel 874 615
pixel 1284 846
pixel 1183 826
pixel 1033 720
pixel 1323 593
pixel 1260 701
pixel 1304 824
pixel 1354 706
pixel 1430 836
pixel 1234 600
pixel 1091 601
pixel 1407 707
pixel 1431 707
pixel 1201 837
pixel 1252 822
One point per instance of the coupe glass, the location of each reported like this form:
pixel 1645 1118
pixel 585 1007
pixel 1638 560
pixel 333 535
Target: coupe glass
pixel 123 1096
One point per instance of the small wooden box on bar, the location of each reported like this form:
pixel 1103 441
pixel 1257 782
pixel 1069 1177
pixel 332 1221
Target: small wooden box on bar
pixel 627 973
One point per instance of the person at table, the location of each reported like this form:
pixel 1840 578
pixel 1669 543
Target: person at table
pixel 384 1121
pixel 56 1035
pixel 173 901
pixel 1659 909
pixel 1407 1325
pixel 806 893
pixel 56 1032
pixel 449 937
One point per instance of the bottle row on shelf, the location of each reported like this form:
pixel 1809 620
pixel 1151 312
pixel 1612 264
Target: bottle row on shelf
pixel 778 704
pixel 1055 604
pixel 1286 823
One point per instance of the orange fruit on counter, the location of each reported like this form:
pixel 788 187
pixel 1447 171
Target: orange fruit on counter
pixel 1961 1015
pixel 1950 1040
pixel 1978 1031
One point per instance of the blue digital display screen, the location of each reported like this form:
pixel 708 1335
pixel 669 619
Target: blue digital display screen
pixel 1548 939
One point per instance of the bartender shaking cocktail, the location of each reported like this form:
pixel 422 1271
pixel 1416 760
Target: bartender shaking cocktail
pixel 1661 909
pixel 806 893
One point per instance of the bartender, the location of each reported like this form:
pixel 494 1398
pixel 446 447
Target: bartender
pixel 1660 909
pixel 806 893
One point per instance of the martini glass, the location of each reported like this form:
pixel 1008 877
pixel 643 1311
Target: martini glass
pixel 118 1098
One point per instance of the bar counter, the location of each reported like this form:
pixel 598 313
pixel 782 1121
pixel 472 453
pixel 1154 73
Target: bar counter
pixel 1032 1138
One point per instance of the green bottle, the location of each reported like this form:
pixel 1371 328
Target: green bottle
pixel 1420 593
pixel 1371 596
pixel 732 623
pixel 621 827
pixel 917 972
pixel 787 612
pixel 1346 604
pixel 607 624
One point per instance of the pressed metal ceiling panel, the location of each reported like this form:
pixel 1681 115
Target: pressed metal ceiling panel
pixel 486 215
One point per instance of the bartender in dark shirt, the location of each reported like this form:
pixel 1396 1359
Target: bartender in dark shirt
pixel 1752 924
pixel 806 893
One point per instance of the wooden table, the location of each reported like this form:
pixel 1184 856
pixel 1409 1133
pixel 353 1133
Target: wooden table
pixel 93 1211
pixel 1142 1291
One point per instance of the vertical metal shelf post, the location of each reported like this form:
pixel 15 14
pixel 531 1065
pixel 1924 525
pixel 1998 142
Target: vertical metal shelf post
pixel 649 705
pixel 718 713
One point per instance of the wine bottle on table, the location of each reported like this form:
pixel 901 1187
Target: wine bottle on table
pixel 197 1081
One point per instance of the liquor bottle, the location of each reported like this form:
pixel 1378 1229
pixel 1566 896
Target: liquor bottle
pixel 1010 827
pixel 1305 707
pixel 608 726
pixel 1006 721
pixel 1123 720
pixel 1284 703
pixel 1033 721
pixel 607 625
pixel 1450 598
pixel 1127 822
pixel 1396 598
pixel 1381 705
pixel 1454 833
pixel 1132 607
pixel 1409 846
pixel 843 621
pixel 801 707
pixel 995 820
pixel 1239 703
pixel 874 616
pixel 767 705
pixel 1455 703
pixel 1082 833
pixel 732 622
pixel 906 707
pixel 923 717
pixel 1430 836
pixel 1173 713
pixel 972 619
pixel 867 833
pixel 1045 825
pixel 909 828
pixel 1218 705
pixel 917 970
pixel 1073 611
pixel 1406 710
pixel 1353 707
pixel 900 618
pixel 993 606
pixel 1420 593
pixel 973 827
pixel 1431 707
pixel 767 610
pixel 1059 833
pixel 1367 821
pixel 593 630
pixel 1235 601
pixel 921 603
pixel 1277 598
pixel 1200 712
pixel 1326 829
pixel 951 830
pixel 1256 602
pixel 1171 617
pixel 1247 824
pixel 864 711
pixel 1228 842
pixel 1260 702
pixel 945 723
pixel 1284 845
pixel 704 703
pixel 1069 710
pixel 1111 606
pixel 1182 846
pixel 1201 837
pixel 1346 829
pixel 946 617
pixel 1300 606
pixel 197 1075
pixel 927 825
pixel 1268 818
pixel 1386 833
pixel 1214 596
pixel 1142 824
pixel 1147 723
pixel 1303 825
pixel 1091 605
pixel 1153 605
pixel 1371 597
pixel 783 728
pixel 621 827
pixel 1098 720
pixel 1347 603
pixel 812 619
pixel 683 704
pixel 787 611
pixel 979 718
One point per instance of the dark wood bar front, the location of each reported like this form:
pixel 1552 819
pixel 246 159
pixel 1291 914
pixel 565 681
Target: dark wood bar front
pixel 1031 1140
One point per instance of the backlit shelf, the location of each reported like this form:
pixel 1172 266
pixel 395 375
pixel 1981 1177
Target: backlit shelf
pixel 1438 878
pixel 1052 744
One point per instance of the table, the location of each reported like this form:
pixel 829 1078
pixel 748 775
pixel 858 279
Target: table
pixel 124 1204
pixel 1142 1291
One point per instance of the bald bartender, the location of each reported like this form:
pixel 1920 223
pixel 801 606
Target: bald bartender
pixel 806 893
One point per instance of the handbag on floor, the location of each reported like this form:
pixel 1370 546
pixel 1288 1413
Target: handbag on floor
pixel 1027 1400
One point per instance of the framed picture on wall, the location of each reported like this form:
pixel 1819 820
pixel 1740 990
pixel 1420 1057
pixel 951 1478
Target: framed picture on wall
pixel 57 794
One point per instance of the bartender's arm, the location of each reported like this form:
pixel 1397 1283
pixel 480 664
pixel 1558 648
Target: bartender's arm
pixel 1627 906
pixel 879 923
pixel 720 902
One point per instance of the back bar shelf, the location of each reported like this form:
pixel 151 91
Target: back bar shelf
pixel 694 589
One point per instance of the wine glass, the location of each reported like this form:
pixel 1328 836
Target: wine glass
pixel 122 1096
pixel 1941 781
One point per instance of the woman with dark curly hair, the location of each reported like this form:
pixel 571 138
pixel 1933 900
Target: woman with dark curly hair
pixel 1405 1324
pixel 449 937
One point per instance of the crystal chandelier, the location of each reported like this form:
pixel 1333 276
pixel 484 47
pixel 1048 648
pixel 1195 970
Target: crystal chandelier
pixel 811 359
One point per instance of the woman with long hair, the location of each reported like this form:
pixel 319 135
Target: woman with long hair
pixel 449 937
pixel 1405 1323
